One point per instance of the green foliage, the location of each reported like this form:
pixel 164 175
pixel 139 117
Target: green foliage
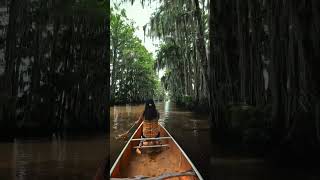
pixel 175 23
pixel 132 74
pixel 159 91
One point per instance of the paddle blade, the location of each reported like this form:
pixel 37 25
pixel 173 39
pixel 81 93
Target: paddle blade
pixel 122 136
pixel 138 151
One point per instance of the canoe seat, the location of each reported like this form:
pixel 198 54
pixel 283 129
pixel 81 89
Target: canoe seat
pixel 153 146
pixel 146 139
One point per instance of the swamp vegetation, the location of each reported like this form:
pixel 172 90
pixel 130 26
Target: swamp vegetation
pixel 54 65
pixel 132 74
pixel 252 63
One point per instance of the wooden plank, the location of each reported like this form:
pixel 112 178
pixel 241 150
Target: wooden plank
pixel 145 139
pixel 153 146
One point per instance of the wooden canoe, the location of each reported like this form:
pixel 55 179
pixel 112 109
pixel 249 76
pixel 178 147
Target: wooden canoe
pixel 171 161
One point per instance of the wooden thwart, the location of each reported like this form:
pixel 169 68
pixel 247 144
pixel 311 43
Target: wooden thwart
pixel 161 177
pixel 153 146
pixel 159 138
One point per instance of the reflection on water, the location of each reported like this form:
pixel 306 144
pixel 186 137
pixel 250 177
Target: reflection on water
pixel 51 159
pixel 164 119
pixel 115 119
pixel 190 130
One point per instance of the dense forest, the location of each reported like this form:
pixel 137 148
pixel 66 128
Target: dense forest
pixel 183 32
pixel 252 62
pixel 263 55
pixel 53 66
pixel 132 74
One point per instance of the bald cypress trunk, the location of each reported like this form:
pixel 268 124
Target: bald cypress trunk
pixel 201 43
pixel 243 42
pixel 12 63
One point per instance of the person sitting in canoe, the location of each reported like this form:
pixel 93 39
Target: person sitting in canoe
pixel 150 129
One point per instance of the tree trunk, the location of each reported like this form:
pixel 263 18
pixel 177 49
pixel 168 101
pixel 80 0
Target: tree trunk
pixel 200 42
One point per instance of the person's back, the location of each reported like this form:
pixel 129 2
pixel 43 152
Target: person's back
pixel 149 117
pixel 150 120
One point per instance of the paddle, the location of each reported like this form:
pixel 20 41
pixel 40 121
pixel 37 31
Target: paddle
pixel 125 135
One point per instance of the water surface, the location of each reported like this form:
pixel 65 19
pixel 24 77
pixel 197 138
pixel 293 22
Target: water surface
pixel 53 158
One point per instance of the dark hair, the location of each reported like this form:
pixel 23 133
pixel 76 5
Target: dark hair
pixel 150 111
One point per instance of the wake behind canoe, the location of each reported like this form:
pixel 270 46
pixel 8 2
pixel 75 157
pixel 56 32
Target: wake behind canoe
pixel 171 163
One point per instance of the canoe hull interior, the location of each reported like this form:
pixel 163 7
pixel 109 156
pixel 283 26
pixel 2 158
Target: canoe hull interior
pixel 170 159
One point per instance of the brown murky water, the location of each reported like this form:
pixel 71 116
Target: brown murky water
pixel 52 158
pixel 190 130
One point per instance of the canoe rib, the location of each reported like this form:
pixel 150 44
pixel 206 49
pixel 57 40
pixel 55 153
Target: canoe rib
pixel 154 146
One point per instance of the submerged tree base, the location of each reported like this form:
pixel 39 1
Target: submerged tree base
pixel 187 102
pixel 248 133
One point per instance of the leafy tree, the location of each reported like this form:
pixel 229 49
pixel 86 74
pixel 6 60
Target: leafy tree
pixel 132 75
